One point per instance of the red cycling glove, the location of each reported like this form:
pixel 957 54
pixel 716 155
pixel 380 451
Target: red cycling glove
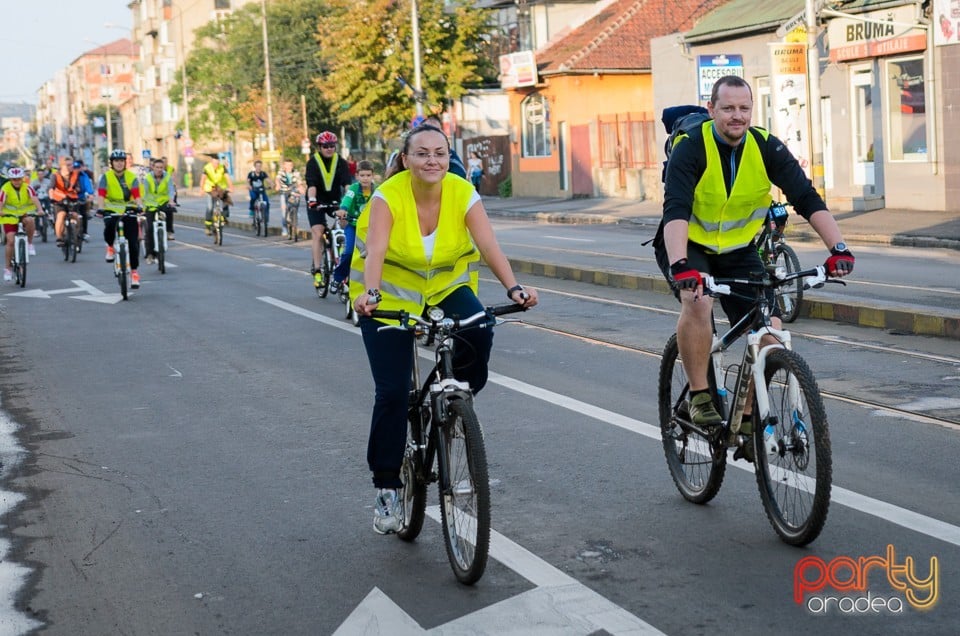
pixel 839 263
pixel 685 277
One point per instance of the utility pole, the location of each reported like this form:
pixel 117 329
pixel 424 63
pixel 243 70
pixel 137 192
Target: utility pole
pixel 417 83
pixel 266 70
pixel 813 104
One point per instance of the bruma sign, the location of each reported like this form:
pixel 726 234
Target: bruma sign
pixel 876 34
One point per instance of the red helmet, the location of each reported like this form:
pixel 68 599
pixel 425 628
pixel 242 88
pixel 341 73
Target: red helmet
pixel 326 137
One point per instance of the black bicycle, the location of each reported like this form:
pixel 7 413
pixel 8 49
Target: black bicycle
pixel 72 230
pixel 258 204
pixel 328 257
pixel 786 435
pixel 444 426
pixel 774 251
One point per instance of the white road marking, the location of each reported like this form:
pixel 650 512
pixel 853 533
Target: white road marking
pixel 908 519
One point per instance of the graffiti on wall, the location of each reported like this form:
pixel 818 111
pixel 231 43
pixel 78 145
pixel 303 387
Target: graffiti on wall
pixel 494 152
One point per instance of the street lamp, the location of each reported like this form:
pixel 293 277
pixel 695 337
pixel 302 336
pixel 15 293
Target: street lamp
pixel 266 72
pixel 417 83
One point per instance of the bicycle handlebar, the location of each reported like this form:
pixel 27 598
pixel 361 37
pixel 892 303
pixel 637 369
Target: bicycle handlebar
pixel 412 321
pixel 778 278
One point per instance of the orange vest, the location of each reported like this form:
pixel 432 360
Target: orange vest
pixel 61 190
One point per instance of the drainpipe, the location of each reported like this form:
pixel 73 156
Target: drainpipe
pixel 930 97
pixel 813 105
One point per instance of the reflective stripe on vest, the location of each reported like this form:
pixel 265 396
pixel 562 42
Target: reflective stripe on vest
pixel 114 201
pixel 157 194
pixel 720 222
pixel 327 175
pixel 16 203
pixel 409 282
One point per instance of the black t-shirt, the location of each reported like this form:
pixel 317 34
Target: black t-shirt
pixel 688 161
pixel 341 180
pixel 257 179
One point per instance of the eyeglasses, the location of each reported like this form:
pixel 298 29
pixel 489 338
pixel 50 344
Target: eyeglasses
pixel 328 145
pixel 440 155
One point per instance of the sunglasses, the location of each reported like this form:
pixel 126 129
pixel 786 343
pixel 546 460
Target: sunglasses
pixel 328 145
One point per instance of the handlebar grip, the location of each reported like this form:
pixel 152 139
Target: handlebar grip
pixel 388 315
pixel 501 310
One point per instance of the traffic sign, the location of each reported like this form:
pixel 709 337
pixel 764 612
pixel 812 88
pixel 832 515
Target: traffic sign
pixel 270 155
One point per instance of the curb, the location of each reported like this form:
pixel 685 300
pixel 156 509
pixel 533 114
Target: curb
pixel 898 320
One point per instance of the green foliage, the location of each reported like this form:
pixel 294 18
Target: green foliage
pixel 505 188
pixel 367 44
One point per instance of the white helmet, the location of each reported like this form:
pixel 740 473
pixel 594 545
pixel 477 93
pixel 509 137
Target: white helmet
pixel 16 173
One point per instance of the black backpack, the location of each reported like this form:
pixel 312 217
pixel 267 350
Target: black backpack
pixel 680 120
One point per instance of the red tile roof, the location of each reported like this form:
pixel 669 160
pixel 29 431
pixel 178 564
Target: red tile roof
pixel 618 36
pixel 122 46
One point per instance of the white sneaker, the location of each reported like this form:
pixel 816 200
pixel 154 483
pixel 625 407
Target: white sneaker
pixel 7 275
pixel 284 233
pixel 387 511
pixel 31 250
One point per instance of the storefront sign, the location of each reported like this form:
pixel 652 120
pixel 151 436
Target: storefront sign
pixel 788 82
pixel 518 69
pixel 710 68
pixel 946 22
pixel 876 34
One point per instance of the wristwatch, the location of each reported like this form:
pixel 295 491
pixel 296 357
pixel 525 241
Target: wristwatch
pixel 374 295
pixel 839 247
pixel 515 288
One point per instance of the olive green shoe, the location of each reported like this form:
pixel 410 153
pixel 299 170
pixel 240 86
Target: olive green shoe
pixel 703 412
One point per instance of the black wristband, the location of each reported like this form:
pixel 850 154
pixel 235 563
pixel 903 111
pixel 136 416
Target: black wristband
pixel 515 288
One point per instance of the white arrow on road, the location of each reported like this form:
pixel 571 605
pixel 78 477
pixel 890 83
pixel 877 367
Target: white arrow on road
pixel 558 605
pixel 82 287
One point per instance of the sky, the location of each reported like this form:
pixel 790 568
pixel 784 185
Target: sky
pixel 42 36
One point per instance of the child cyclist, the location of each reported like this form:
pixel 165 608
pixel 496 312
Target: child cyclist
pixel 354 201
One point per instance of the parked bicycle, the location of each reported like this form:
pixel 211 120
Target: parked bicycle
pixel 786 434
pixel 73 230
pixel 444 427
pixel 291 212
pixel 774 251
pixel 21 256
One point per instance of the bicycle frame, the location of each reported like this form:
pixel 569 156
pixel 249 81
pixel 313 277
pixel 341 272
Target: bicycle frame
pixel 160 229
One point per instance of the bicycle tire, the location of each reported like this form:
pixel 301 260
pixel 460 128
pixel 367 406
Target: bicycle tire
pixel 161 250
pixel 67 241
pixel 257 217
pixel 790 296
pixel 42 223
pixel 74 242
pixel 413 476
pixel 696 464
pixel 122 269
pixel 22 266
pixel 324 289
pixel 796 512
pixel 466 530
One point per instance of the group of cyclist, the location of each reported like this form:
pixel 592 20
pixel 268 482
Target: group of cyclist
pixel 69 192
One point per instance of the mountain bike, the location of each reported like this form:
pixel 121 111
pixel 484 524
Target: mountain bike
pixel 786 434
pixel 444 427
pixel 293 206
pixel 21 256
pixel 72 231
pixel 773 249
pixel 121 249
pixel 258 222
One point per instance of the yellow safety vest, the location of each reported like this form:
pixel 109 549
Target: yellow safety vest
pixel 720 222
pixel 16 203
pixel 215 177
pixel 156 194
pixel 115 201
pixel 410 282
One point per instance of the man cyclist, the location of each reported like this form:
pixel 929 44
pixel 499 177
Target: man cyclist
pixel 158 193
pixel 65 188
pixel 215 182
pixel 257 182
pixel 716 197
pixel 118 188
pixel 287 180
pixel 326 177
pixel 16 199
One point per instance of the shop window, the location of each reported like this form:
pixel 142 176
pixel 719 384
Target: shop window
pixel 907 117
pixel 535 112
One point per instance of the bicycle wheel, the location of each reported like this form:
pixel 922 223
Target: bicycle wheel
pixel 257 217
pixel 42 226
pixel 22 256
pixel 67 241
pixel 218 230
pixel 325 269
pixel 696 465
pixel 793 459
pixel 122 269
pixel 413 476
pixel 789 296
pixel 465 502
pixel 161 249
pixel 74 241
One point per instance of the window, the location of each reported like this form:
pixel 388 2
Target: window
pixel 907 117
pixel 221 5
pixel 535 113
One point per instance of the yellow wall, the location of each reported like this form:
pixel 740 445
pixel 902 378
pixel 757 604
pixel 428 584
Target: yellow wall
pixel 576 100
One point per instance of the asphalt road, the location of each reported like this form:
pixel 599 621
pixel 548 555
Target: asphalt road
pixel 192 461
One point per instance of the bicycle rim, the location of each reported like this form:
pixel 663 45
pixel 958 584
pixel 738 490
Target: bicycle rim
pixel 789 296
pixel 414 493
pixel 793 463
pixel 324 289
pixel 696 466
pixel 465 505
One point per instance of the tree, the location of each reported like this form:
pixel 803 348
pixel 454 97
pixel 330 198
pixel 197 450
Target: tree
pixel 367 44
pixel 225 72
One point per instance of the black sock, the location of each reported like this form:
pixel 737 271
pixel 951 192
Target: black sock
pixel 694 393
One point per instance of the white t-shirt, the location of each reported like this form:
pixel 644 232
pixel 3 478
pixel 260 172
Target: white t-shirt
pixel 430 240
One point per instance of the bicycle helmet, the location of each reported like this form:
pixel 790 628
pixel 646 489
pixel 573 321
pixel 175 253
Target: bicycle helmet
pixel 118 154
pixel 15 173
pixel 326 137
